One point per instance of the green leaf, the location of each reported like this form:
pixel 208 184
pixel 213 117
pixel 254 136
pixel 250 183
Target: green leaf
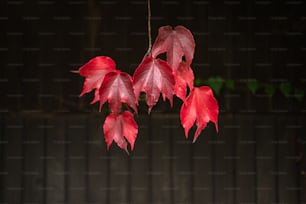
pixel 230 84
pixel 299 94
pixel 253 85
pixel 216 83
pixel 285 88
pixel 142 97
pixel 198 82
pixel 270 89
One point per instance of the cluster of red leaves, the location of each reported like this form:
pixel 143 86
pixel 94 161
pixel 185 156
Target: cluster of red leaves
pixel 153 76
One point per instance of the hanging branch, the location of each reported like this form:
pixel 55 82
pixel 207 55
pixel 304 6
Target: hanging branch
pixel 149 29
pixel 153 77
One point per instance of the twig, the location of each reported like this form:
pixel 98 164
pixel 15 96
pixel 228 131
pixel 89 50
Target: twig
pixel 149 29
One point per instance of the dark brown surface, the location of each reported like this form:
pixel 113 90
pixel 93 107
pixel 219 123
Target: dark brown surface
pixel 56 144
pixel 63 159
pixel 41 41
pixel 52 154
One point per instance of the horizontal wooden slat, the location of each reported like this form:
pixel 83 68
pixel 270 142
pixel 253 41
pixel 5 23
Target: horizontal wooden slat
pixel 64 159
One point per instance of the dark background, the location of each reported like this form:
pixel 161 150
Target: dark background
pixel 41 41
pixel 52 150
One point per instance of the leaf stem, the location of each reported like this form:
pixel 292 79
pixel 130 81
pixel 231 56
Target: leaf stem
pixel 149 29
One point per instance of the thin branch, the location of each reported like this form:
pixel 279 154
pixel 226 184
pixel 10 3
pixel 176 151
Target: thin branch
pixel 149 29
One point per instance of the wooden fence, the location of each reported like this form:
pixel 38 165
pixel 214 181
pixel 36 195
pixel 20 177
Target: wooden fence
pixel 62 159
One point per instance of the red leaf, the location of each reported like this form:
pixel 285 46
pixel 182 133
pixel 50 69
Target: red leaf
pixel 177 43
pixel 94 71
pixel 183 77
pixel 120 128
pixel 117 87
pixel 200 107
pixel 153 76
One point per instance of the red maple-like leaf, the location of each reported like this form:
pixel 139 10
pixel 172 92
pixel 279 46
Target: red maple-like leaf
pixel 120 128
pixel 176 43
pixel 183 77
pixel 117 87
pixel 154 76
pixel 200 107
pixel 94 71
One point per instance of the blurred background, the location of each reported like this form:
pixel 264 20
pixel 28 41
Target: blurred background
pixel 252 53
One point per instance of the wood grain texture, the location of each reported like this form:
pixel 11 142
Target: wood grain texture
pixel 3 142
pixel 34 175
pixel 183 171
pixel 302 164
pixel 76 160
pixel 246 164
pixel 203 186
pixel 140 178
pixel 13 161
pixel 224 165
pixel 287 170
pixel 56 157
pixel 265 160
pixel 162 160
pixel 119 175
pixel 97 159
